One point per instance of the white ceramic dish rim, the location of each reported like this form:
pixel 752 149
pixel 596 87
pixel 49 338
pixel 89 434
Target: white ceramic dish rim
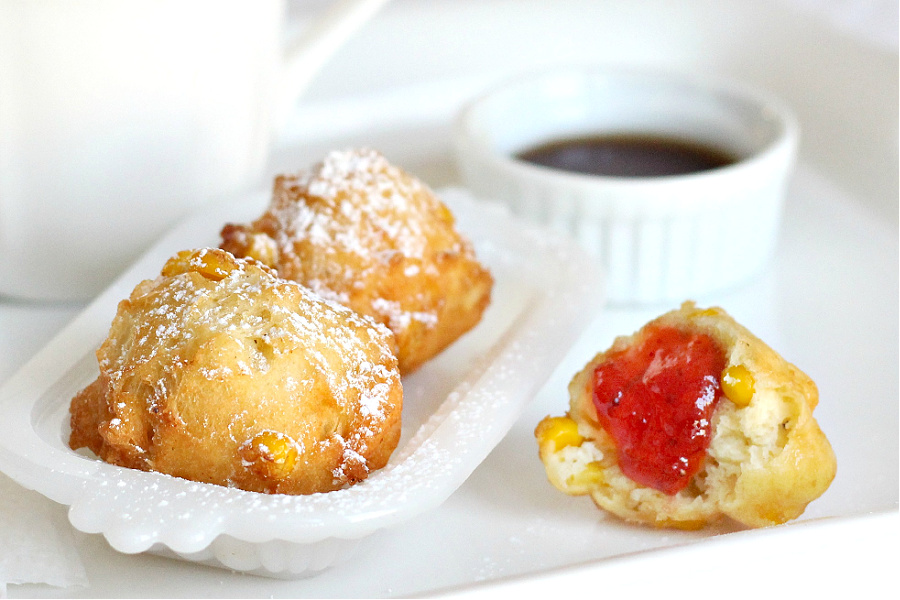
pixel 137 510
pixel 768 108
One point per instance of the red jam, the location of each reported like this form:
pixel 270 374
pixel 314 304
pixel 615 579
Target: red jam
pixel 656 400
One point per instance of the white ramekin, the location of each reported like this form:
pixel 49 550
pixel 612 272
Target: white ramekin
pixel 658 239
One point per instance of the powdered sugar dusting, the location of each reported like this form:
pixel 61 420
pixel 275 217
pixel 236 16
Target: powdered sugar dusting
pixel 167 321
pixel 339 182
pixel 355 203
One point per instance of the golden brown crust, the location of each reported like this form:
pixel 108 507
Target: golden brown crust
pixel 362 232
pixel 766 462
pixel 219 371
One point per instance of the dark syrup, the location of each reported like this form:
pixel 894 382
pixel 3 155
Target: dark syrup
pixel 628 155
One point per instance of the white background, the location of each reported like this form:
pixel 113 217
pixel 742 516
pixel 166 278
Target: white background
pixel 829 302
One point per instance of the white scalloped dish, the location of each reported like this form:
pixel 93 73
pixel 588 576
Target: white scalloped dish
pixel 456 409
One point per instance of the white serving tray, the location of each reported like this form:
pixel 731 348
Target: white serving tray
pixel 456 409
pixel 828 302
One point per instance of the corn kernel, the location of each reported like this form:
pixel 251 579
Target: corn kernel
pixel 590 477
pixel 178 264
pixel 262 248
pixel 269 454
pixel 211 264
pixel 737 384
pixel 712 311
pixel 558 431
pixel 445 215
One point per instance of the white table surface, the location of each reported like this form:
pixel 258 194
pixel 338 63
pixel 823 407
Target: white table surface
pixel 829 300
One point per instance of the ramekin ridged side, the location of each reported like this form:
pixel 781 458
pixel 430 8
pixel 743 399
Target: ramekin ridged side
pixel 657 239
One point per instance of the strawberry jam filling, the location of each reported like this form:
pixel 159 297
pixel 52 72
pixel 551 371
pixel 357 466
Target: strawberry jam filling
pixel 656 399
